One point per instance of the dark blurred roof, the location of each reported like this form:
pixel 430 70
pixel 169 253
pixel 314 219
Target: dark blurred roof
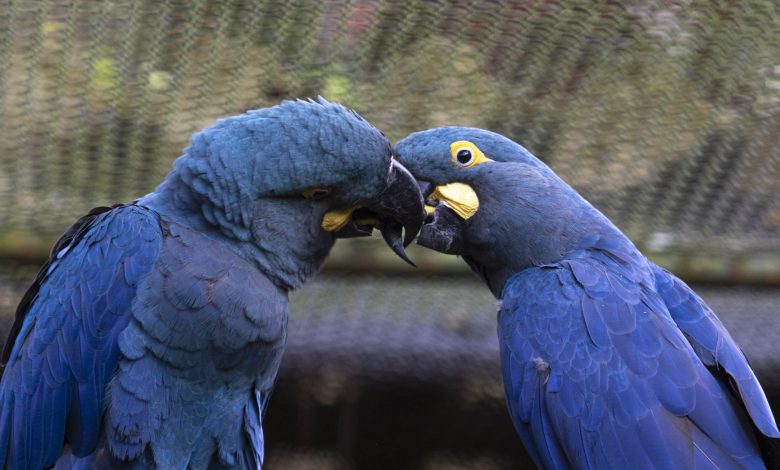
pixel 443 328
pixel 431 328
pixel 440 328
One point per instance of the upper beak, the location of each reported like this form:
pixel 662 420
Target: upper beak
pixel 400 205
pixel 398 208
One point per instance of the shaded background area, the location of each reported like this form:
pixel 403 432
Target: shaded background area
pixel 665 114
pixel 389 371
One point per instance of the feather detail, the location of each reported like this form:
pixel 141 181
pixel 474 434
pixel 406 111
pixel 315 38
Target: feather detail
pixel 623 386
pixel 64 347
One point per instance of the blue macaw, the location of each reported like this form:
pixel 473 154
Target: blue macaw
pixel 152 336
pixel 608 360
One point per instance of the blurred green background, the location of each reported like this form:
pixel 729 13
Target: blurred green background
pixel 665 114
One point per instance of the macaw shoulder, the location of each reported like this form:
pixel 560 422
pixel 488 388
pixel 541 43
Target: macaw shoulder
pixel 107 251
pixel 609 266
pixel 587 319
pixel 595 304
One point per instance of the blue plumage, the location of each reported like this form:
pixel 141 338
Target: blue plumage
pixel 153 335
pixel 645 379
pixel 608 360
pixel 57 372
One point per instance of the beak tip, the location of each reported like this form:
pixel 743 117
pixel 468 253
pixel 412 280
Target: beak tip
pixel 402 254
pixel 391 232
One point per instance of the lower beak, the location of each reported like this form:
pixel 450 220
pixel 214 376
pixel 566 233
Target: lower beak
pixel 399 208
pixel 443 231
pixel 448 209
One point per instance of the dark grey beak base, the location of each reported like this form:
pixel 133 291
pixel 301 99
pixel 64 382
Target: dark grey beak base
pixel 443 233
pixel 443 230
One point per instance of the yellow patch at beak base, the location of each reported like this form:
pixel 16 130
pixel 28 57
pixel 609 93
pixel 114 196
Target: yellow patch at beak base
pixel 459 197
pixel 336 219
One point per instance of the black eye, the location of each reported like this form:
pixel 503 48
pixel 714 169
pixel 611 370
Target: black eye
pixel 316 193
pixel 464 157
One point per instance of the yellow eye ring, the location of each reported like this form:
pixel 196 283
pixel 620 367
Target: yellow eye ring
pixel 465 154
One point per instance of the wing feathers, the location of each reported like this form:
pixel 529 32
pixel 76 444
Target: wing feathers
pixel 63 349
pixel 715 347
pixel 600 373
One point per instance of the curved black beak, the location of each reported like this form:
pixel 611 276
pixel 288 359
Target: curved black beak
pixel 400 208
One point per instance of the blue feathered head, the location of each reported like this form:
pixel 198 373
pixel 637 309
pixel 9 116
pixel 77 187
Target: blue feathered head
pixel 287 180
pixel 493 202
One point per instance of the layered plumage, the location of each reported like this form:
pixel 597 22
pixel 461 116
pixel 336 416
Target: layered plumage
pixel 152 336
pixel 608 360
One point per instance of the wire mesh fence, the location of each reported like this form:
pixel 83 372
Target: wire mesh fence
pixel 665 114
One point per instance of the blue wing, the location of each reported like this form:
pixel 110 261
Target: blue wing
pixel 598 374
pixel 714 346
pixel 63 349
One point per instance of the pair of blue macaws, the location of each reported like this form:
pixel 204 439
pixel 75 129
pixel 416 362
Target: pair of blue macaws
pixel 152 336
